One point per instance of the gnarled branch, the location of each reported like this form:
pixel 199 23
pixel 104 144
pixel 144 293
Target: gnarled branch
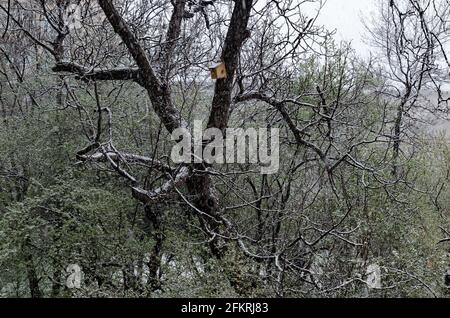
pixel 85 73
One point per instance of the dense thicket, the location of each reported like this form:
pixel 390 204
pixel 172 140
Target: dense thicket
pixel 92 206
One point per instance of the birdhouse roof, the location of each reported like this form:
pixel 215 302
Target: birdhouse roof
pixel 214 65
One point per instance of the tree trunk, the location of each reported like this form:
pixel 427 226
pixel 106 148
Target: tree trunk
pixel 397 132
pixel 33 280
pixel 153 215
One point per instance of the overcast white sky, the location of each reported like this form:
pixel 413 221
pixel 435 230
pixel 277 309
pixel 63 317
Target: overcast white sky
pixel 345 16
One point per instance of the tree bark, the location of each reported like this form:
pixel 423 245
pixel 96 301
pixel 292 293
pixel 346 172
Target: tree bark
pixel 33 280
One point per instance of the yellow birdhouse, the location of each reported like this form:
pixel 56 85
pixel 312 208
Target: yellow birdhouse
pixel 218 70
